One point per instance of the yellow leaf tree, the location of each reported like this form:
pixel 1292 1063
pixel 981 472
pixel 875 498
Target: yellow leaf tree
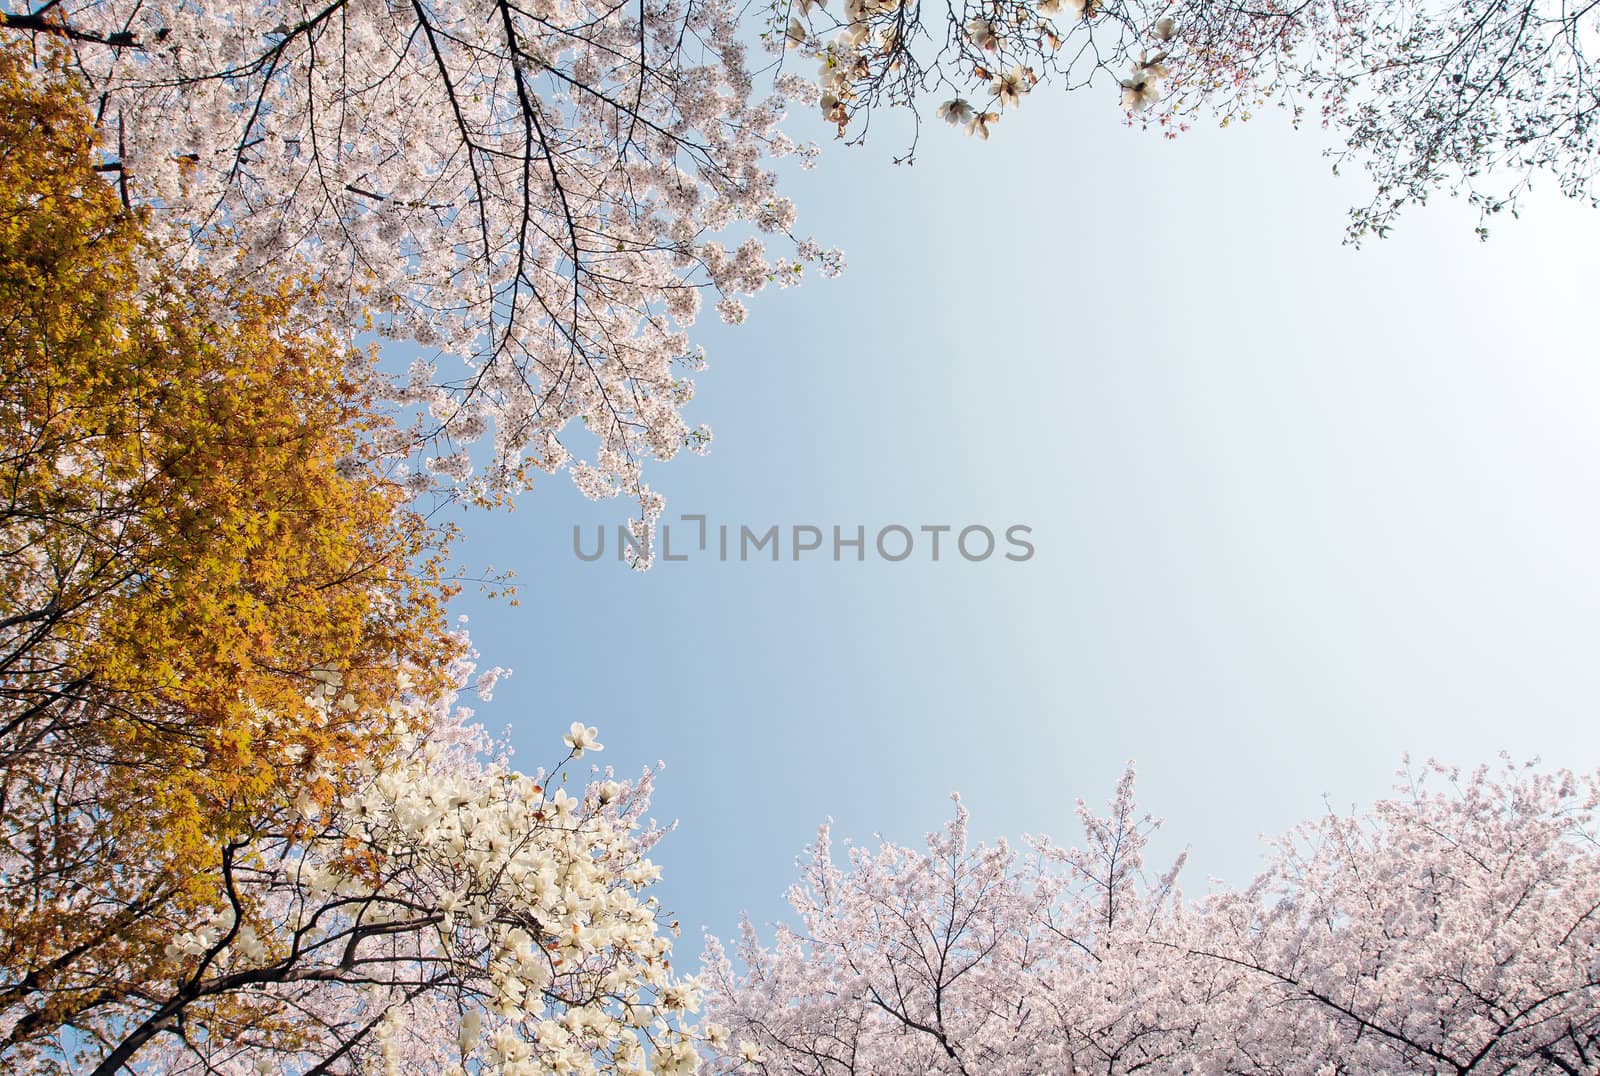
pixel 210 596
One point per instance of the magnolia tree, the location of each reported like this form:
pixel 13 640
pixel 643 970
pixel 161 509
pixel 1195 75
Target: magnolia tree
pixel 1449 929
pixel 437 911
pixel 1476 97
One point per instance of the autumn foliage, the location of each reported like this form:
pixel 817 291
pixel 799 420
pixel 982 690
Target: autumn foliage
pixel 209 598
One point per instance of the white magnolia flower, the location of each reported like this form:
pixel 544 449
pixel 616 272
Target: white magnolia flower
pixel 796 34
pixel 855 34
pixel 508 1049
pixel 564 805
pixel 750 1052
pixel 248 944
pixel 307 806
pixel 1152 65
pixel 955 111
pixel 1010 85
pixel 979 124
pixel 1164 29
pixel 581 738
pixel 830 72
pixel 981 31
pixel 1139 91
pixel 467 1036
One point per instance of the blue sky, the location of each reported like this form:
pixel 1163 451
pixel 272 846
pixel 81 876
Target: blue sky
pixel 1298 509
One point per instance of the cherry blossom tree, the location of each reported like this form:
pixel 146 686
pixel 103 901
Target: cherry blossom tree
pixel 1452 929
pixel 535 184
pixel 539 185
pixel 962 959
pixel 1477 98
pixel 1448 929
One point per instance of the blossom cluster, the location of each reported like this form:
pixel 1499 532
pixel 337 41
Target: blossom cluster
pixel 535 188
pixel 1450 929
pixel 436 909
pixel 998 52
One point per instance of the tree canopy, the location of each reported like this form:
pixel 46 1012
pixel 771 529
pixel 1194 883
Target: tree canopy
pixel 549 190
pixel 1452 928
pixel 246 823
pixel 194 547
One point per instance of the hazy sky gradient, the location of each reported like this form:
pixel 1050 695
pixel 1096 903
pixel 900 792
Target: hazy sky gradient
pixel 1299 509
